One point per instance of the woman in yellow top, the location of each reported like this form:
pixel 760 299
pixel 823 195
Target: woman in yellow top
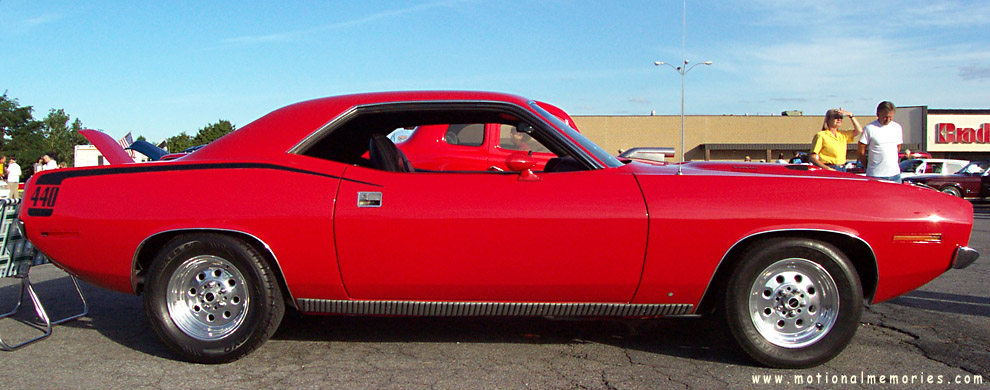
pixel 828 150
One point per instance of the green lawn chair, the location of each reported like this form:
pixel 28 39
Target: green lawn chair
pixel 17 256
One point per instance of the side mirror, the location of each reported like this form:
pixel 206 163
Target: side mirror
pixel 523 163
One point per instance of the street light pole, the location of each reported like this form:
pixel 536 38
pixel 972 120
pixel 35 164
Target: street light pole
pixel 683 70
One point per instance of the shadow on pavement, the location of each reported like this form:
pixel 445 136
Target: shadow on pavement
pixel 691 338
pixel 946 303
pixel 116 316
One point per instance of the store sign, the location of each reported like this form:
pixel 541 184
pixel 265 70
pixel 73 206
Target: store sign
pixel 949 133
pixel 965 133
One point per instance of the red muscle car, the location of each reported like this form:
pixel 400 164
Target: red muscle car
pixel 353 227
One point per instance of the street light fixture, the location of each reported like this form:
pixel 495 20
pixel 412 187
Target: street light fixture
pixel 683 70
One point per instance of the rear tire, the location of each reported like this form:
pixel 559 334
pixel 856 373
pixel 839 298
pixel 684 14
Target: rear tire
pixel 952 191
pixel 212 298
pixel 793 303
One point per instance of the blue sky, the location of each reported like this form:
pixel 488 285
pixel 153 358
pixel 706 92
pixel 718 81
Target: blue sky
pixel 159 68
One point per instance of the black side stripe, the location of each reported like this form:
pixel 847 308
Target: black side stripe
pixel 56 178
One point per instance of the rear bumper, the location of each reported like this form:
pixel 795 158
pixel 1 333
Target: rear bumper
pixel 964 257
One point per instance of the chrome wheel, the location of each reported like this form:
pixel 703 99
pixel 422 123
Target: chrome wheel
pixel 952 191
pixel 794 303
pixel 207 298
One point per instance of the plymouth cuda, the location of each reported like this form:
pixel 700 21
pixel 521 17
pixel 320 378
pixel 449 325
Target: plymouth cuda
pixel 354 227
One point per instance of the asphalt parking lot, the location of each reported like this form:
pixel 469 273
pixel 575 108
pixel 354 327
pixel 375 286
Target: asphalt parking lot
pixel 933 337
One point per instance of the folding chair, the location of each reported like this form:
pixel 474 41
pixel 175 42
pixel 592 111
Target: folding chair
pixel 17 256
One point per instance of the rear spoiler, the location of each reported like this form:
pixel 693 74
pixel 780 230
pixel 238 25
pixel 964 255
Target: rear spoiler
pixel 111 150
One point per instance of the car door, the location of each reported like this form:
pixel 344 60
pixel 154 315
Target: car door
pixel 490 236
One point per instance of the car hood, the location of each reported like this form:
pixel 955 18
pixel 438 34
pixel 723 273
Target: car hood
pixel 720 168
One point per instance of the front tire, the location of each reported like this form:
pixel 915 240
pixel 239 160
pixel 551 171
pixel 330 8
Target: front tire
pixel 212 298
pixel 793 303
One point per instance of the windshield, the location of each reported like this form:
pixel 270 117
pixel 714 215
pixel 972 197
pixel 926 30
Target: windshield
pixel 976 167
pixel 595 150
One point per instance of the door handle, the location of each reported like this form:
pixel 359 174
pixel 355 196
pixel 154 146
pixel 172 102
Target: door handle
pixel 369 199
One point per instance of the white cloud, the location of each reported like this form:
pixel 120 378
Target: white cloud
pixel 386 14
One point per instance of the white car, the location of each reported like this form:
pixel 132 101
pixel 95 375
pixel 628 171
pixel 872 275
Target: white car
pixel 401 134
pixel 931 166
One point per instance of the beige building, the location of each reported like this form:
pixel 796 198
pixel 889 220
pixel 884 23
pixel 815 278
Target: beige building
pixel 733 137
pixel 947 133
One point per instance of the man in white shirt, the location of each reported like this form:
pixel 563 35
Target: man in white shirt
pixel 880 143
pixel 49 163
pixel 14 178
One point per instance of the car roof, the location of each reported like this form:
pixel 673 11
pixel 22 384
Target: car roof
pixel 944 160
pixel 280 130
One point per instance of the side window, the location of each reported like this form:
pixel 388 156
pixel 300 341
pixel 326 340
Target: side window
pixel 471 134
pixel 910 165
pixel 936 168
pixel 510 138
pixel 455 138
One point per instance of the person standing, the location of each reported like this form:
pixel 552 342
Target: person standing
pixel 49 163
pixel 14 178
pixel 880 143
pixel 828 149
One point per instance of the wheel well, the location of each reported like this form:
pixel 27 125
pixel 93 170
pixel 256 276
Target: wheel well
pixel 150 247
pixel 858 252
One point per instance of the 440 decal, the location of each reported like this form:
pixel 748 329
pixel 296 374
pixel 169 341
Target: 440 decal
pixel 43 197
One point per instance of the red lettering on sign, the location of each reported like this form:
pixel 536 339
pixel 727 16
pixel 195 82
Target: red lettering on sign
pixel 948 133
pixel 945 133
pixel 965 135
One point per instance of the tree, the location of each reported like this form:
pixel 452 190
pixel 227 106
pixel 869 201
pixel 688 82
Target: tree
pixel 26 142
pixel 59 137
pixel 205 135
pixel 13 119
pixel 179 142
pixel 213 131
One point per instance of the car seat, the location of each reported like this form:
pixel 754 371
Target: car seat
pixel 386 156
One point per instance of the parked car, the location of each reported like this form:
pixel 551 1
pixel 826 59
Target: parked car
pixel 930 166
pixel 971 181
pixel 658 154
pixel 357 229
pixel 401 134
pixel 855 167
pixel 473 146
pixel 914 155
